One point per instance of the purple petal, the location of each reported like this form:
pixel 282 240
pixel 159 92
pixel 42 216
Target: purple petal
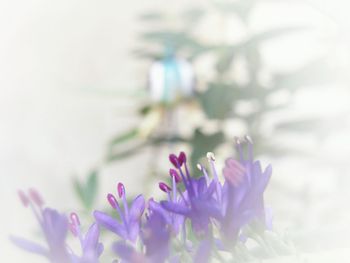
pixel 137 208
pixel 127 252
pixel 256 172
pixel 266 175
pixel 238 193
pixel 201 185
pixel 29 246
pixel 210 190
pixel 90 242
pixel 175 208
pixel 172 219
pixel 134 230
pixel 156 207
pixel 208 208
pixel 110 223
pixel 234 171
pixel 55 227
pixel 99 249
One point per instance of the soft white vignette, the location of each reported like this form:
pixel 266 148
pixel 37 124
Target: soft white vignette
pixel 53 123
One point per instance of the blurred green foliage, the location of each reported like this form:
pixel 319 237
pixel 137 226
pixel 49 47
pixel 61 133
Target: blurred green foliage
pixel 219 97
pixel 87 190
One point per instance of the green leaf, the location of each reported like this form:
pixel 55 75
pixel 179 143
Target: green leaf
pixel 271 34
pixel 241 8
pixel 316 73
pixel 202 143
pixel 166 36
pixel 193 15
pixel 145 109
pixel 79 190
pixel 146 54
pixel 217 100
pixel 253 91
pixel 175 40
pixel 126 153
pixel 126 136
pixel 91 188
pixel 226 53
pixel 167 140
pixel 152 16
pixel 306 125
pixel 264 146
pixel 87 191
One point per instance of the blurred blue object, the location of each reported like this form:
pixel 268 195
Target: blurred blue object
pixel 171 78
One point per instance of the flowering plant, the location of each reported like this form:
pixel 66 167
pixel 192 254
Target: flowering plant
pixel 201 219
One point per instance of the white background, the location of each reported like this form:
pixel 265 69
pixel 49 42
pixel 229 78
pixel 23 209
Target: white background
pixel 68 83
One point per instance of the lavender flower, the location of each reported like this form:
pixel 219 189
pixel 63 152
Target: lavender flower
pixel 231 206
pixel 53 225
pixel 243 190
pixel 129 227
pixel 155 238
pixel 198 202
pixel 174 220
pixel 217 212
pixel 90 245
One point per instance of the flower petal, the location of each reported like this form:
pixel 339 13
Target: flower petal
pixel 55 227
pixel 110 223
pixel 209 208
pixel 90 242
pixel 29 246
pixel 175 208
pixel 210 190
pixel 156 207
pixel 266 175
pixel 137 207
pixel 127 253
pixel 133 230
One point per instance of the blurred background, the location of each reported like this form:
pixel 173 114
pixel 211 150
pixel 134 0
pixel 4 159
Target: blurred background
pixel 97 92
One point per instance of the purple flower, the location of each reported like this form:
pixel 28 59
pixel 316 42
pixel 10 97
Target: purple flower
pixel 174 221
pixel 216 211
pixel 155 238
pixel 197 202
pixel 90 245
pixel 128 227
pixel 53 225
pixel 243 192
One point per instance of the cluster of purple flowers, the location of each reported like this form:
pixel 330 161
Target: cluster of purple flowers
pixel 55 226
pixel 199 218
